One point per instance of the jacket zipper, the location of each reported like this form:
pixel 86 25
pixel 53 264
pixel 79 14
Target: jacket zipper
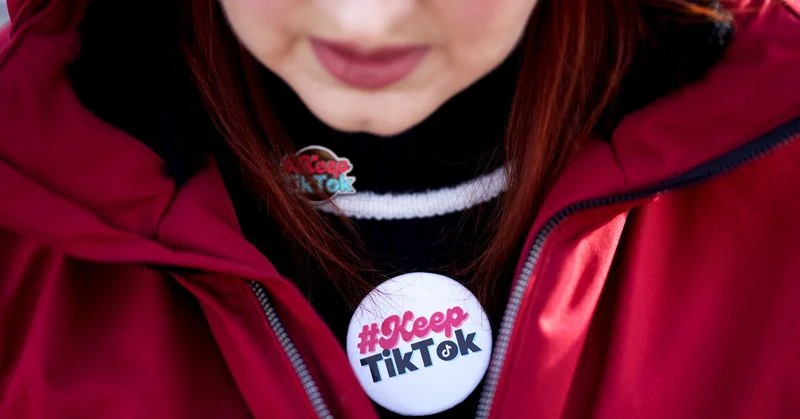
pixel 312 391
pixel 751 151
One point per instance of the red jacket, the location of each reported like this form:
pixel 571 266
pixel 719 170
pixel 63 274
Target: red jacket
pixel 661 279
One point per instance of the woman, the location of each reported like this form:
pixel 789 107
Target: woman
pixel 357 209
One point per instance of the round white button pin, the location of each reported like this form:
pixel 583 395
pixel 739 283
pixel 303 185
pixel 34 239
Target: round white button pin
pixel 419 344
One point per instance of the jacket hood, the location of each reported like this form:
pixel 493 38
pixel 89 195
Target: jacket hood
pixel 76 182
pixel 80 185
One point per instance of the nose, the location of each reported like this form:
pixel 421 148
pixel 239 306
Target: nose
pixel 368 21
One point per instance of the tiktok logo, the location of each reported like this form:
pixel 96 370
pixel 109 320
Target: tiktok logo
pixel 397 362
pixel 445 353
pixel 319 174
pixel 419 344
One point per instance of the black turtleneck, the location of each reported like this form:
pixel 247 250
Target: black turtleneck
pixel 422 170
pixel 138 81
pixel 152 99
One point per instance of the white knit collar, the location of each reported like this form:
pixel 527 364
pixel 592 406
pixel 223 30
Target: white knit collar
pixel 432 203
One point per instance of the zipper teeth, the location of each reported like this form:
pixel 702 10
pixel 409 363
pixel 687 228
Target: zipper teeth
pixel 775 140
pixel 292 353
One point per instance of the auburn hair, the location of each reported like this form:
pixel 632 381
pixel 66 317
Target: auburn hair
pixel 578 56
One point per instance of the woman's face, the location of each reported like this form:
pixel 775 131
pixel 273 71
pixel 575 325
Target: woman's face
pixel 378 66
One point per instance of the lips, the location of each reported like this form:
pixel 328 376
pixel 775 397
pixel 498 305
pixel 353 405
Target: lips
pixel 369 70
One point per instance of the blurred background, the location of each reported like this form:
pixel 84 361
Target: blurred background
pixel 3 12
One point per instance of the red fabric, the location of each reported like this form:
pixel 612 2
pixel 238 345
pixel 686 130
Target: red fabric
pixel 123 297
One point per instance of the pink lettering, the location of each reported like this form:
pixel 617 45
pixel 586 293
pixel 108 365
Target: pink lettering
pixel 394 328
pixel 421 328
pixel 330 168
pixel 343 166
pixel 456 317
pixel 313 165
pixel 437 322
pixel 306 162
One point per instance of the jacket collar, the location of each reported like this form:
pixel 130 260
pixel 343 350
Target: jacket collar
pixel 66 164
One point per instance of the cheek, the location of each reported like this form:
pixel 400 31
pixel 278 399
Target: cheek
pixel 477 32
pixel 470 13
pixel 259 19
pixel 482 19
pixel 262 26
pixel 256 9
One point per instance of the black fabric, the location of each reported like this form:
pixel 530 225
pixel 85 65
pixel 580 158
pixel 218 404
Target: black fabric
pixel 459 140
pixel 458 143
pixel 676 52
pixel 130 72
pixel 435 244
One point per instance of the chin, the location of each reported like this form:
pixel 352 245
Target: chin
pixel 381 119
pixel 382 126
pixel 384 112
